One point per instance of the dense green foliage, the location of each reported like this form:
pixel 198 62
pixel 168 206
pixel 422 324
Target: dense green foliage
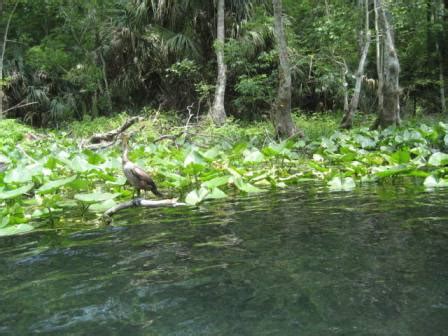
pixel 51 179
pixel 71 59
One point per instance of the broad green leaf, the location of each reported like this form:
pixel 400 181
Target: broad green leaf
pixel 402 156
pixel 103 206
pixel 196 196
pixel 341 184
pixel 253 155
pixel 18 175
pixel 212 153
pixel 432 182
pixel 16 229
pixel 244 186
pixel 393 170
pixel 119 180
pixel 193 158
pixel 365 142
pixel 95 197
pixel 80 165
pixel 16 192
pixel 438 159
pixel 216 182
pixel 53 185
pixel 216 194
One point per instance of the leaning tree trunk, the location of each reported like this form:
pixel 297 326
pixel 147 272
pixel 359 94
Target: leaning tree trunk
pixel 347 120
pixel 217 112
pixel 389 114
pixel 281 111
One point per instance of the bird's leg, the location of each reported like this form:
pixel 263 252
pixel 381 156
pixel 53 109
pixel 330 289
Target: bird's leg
pixel 138 193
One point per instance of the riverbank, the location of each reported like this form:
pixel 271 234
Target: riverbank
pixel 48 178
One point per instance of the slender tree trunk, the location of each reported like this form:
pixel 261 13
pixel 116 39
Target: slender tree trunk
pixel 281 111
pixel 218 113
pixel 347 121
pixel 2 53
pixel 440 12
pixel 389 112
pixel 379 62
pixel 345 88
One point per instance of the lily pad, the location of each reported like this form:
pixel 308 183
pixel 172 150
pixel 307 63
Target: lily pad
pixel 103 206
pixel 341 184
pixel 56 184
pixel 196 196
pixel 438 159
pixel 16 192
pixel 16 229
pixel 96 197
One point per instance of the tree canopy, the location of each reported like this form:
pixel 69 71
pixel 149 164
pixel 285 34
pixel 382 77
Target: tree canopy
pixel 65 60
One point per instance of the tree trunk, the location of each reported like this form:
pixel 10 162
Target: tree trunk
pixel 281 111
pixel 440 12
pixel 389 114
pixel 218 113
pixel 379 58
pixel 2 53
pixel 347 121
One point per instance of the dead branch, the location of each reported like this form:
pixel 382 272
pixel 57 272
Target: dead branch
pixel 108 139
pixel 110 136
pixel 138 202
pixel 18 106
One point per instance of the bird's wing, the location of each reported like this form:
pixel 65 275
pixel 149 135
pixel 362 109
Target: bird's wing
pixel 141 174
pixel 146 181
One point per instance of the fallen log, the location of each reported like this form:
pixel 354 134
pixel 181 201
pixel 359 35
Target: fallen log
pixel 138 202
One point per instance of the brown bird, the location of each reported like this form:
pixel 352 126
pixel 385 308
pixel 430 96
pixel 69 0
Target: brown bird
pixel 135 175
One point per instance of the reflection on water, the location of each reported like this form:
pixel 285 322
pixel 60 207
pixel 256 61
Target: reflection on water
pixel 296 262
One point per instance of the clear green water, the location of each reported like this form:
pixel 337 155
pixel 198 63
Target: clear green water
pixel 296 262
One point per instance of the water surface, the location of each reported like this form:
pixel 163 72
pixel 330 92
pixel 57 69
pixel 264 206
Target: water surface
pixel 296 262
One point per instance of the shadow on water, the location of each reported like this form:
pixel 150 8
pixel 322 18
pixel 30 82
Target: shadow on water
pixel 296 262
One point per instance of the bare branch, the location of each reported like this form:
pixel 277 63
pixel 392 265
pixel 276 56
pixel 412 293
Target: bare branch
pixel 107 216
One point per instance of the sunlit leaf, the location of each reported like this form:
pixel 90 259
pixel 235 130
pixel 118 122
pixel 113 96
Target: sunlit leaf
pixel 53 185
pixel 193 158
pixel 16 229
pixel 196 196
pixel 244 186
pixel 95 197
pixel 400 157
pixel 16 192
pixel 103 206
pixel 253 155
pixel 432 182
pixel 438 159
pixel 18 175
pixel 341 184
pixel 216 193
pixel 216 182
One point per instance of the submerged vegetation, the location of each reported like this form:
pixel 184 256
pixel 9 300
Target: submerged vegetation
pixel 48 178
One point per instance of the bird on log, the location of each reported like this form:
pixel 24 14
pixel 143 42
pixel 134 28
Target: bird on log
pixel 135 175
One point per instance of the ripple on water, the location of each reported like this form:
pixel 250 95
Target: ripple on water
pixel 302 261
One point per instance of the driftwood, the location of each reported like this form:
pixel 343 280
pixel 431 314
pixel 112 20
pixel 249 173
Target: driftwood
pixel 104 140
pixel 138 202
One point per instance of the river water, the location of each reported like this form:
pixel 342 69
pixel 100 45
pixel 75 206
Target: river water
pixel 301 261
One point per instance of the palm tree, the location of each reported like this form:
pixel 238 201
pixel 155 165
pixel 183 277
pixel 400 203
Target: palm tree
pixel 161 27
